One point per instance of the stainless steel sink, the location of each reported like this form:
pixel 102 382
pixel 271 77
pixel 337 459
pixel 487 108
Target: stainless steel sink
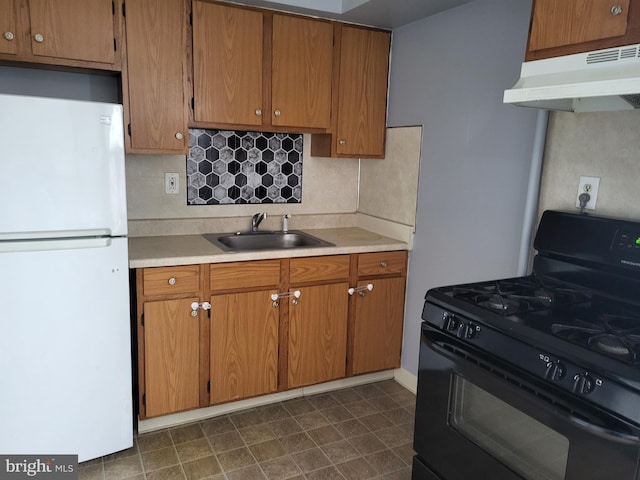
pixel 264 240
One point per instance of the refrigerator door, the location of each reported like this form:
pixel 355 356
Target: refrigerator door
pixel 62 167
pixel 65 350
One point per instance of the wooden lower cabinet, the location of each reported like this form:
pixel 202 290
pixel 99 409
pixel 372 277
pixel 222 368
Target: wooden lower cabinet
pixel 379 315
pixel 171 339
pixel 243 345
pixel 317 334
pixel 248 344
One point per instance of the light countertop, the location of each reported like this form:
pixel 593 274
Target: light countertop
pixel 163 251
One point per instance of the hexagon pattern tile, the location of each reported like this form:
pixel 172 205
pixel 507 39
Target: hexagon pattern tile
pixel 231 167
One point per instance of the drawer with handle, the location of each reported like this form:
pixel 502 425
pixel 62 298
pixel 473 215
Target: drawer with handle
pixel 382 263
pixel 169 280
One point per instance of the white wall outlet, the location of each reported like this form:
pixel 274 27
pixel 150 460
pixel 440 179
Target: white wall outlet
pixel 588 185
pixel 171 183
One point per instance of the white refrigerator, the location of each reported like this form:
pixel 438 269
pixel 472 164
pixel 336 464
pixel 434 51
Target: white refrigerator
pixel 65 346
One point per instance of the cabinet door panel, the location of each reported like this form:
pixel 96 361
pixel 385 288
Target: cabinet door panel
pixel 156 46
pixel 364 67
pixel 318 334
pixel 227 57
pixel 73 29
pixel 557 23
pixel 378 326
pixel 8 25
pixel 301 72
pixel 244 345
pixel 171 339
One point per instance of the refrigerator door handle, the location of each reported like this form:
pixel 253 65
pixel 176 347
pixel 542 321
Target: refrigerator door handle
pixel 58 244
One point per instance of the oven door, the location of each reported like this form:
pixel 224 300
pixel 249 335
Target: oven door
pixel 476 419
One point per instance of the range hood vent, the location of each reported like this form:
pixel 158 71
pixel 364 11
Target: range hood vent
pixel 603 80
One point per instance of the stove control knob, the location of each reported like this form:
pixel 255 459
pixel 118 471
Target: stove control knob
pixel 466 330
pixel 450 322
pixel 583 383
pixel 472 330
pixel 555 371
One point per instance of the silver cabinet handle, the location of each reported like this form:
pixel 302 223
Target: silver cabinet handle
pixel 277 113
pixel 384 264
pixel 8 36
pixel 179 135
pixel 172 281
pixel 616 10
pixel 342 142
pixel 258 112
pixel 38 38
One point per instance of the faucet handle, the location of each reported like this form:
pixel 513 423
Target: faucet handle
pixel 257 219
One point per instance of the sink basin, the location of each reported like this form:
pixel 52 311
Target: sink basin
pixel 264 240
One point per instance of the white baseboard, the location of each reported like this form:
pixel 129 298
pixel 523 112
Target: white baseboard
pixel 153 424
pixel 407 379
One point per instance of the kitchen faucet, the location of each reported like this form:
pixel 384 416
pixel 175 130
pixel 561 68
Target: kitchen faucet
pixel 257 220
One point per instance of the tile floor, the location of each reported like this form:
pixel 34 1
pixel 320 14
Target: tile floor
pixel 357 433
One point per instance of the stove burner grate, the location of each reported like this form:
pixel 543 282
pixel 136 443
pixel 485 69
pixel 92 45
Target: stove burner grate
pixel 617 336
pixel 508 297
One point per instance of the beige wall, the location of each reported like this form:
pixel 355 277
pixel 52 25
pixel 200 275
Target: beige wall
pixel 328 186
pixel 330 191
pixel 605 145
pixel 388 188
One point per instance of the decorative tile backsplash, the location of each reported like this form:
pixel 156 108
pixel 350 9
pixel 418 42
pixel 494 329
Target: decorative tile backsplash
pixel 231 167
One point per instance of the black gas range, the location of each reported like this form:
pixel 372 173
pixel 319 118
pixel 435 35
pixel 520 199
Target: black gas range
pixel 537 377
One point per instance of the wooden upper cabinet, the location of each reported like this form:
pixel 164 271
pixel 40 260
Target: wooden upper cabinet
pixel 75 33
pixel 228 64
pixel 154 78
pixel 8 27
pixel 557 23
pixel 253 68
pixel 73 29
pixel 301 72
pixel 575 26
pixel 362 103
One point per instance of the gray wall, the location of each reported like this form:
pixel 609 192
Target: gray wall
pixel 51 83
pixel 448 73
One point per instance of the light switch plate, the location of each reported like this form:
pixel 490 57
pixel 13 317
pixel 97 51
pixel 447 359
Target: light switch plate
pixel 171 183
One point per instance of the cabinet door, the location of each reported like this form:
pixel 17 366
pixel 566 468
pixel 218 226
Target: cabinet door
pixel 171 340
pixel 156 46
pixel 9 40
pixel 378 325
pixel 73 29
pixel 318 334
pixel 227 62
pixel 557 23
pixel 362 108
pixel 244 345
pixel 301 72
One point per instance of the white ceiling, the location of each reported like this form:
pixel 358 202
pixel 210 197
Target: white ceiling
pixel 381 13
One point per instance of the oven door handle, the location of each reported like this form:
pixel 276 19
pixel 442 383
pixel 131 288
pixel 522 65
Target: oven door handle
pixel 612 435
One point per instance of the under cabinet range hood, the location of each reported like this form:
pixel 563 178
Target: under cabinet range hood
pixel 602 80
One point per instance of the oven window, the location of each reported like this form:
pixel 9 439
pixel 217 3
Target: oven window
pixel 525 445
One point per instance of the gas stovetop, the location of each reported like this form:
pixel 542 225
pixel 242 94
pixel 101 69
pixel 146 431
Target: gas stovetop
pixel 574 323
pixel 601 325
